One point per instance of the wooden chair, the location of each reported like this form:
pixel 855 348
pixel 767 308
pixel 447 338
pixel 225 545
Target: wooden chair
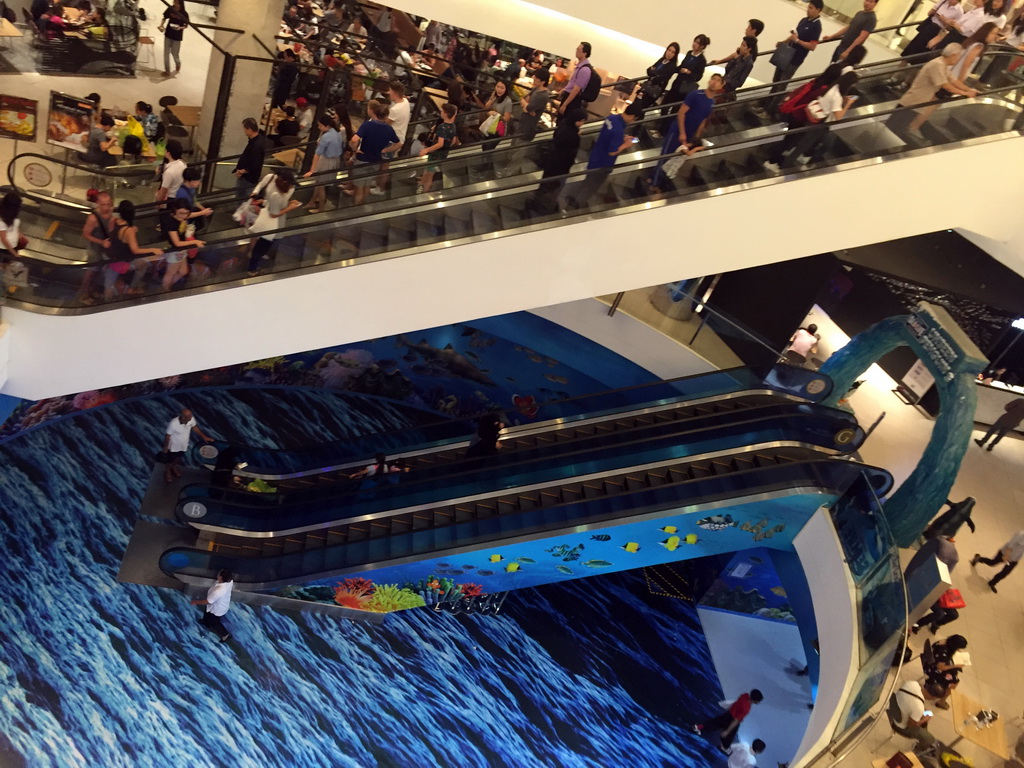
pixel 148 45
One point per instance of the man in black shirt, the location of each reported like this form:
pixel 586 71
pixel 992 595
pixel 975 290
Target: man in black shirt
pixel 250 164
pixel 802 40
pixel 287 71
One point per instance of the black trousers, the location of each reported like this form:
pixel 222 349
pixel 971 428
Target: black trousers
pixel 720 723
pixel 214 624
pixel 939 616
pixel 998 560
pixel 999 432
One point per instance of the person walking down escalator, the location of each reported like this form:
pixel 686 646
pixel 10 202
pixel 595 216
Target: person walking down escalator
pixel 658 75
pixel 557 158
pixel 610 143
pixel 487 438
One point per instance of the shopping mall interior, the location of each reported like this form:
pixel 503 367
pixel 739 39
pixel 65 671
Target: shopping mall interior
pixel 631 472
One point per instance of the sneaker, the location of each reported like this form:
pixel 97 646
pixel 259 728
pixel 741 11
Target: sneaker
pixel 226 638
pixel 981 443
pixel 419 189
pixel 771 167
pixel 376 191
pixel 976 558
pixel 697 728
pixel 993 587
pixel 941 704
pixel 915 134
pixel 990 447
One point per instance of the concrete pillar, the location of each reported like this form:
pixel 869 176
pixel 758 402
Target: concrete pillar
pixel 248 88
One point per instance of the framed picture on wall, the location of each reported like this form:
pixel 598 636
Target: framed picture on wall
pixel 69 121
pixel 18 118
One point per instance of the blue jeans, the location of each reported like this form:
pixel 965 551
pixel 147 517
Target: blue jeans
pixel 243 188
pixel 668 147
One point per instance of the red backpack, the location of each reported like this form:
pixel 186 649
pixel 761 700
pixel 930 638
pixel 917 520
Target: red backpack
pixel 794 108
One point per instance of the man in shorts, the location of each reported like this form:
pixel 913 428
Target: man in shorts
pixel 445 138
pixel 373 139
pixel 176 439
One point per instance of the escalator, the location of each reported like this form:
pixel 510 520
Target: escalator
pixel 487 193
pixel 602 470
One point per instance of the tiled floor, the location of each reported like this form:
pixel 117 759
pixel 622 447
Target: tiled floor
pixel 992 623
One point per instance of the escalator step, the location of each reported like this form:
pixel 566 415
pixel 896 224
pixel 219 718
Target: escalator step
pixel 722 467
pixel 379 528
pixel 506 506
pixel 527 503
pixel 657 478
pixel 293 545
pixel 592 491
pixel 743 462
pixel 420 522
pixel 549 497
pixel 765 460
pixel 357 533
pixel 463 515
pixel 315 540
pixel 613 486
pixel 679 476
pixel 572 493
pixel 336 537
pixel 700 470
pixel 635 482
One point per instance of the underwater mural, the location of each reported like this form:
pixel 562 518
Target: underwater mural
pixel 456 371
pixel 750 585
pixel 563 557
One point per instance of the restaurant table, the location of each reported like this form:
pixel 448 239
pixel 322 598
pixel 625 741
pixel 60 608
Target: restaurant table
pixel 74 15
pixel 291 157
pixel 8 30
pixel 992 738
pixel 188 117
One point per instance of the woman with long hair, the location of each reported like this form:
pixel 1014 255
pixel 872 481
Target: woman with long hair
pixel 499 104
pixel 124 253
pixel 974 47
pixel 10 225
pixel 173 26
pixel 658 74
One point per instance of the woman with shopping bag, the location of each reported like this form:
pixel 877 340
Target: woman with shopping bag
pixel 275 190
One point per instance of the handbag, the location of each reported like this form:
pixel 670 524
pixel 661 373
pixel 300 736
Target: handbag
pixel 814 111
pixel 783 55
pixel 264 223
pixel 952 598
pixel 245 214
pixel 489 126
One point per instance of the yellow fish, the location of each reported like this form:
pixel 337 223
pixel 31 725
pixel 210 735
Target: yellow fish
pixel 512 567
pixel 691 538
pixel 778 591
pixel 671 543
pixel 669 529
pixel 496 558
pixel 632 546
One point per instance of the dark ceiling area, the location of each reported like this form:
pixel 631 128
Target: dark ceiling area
pixel 948 264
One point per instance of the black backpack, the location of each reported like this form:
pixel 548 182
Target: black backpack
pixel 592 89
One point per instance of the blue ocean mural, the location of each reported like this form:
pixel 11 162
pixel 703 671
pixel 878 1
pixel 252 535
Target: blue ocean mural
pixel 596 672
pixel 456 370
pixel 749 584
pixel 671 537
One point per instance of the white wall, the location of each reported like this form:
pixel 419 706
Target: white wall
pixel 53 355
pixel 835 611
pixel 626 336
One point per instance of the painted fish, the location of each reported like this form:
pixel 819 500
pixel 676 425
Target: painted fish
pixel 601 537
pixel 597 563
pixel 691 538
pixel 756 559
pixel 558 551
pixel 525 560
pixel 716 522
pixel 485 573
pixel 779 591
pixel 556 379
pixel 496 558
pixel 512 567
pixel 631 546
pixel 779 528
pixel 671 543
pixel 563 569
pixel 668 529
pixel 468 567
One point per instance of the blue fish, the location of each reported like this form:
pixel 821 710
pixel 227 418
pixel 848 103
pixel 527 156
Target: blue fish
pixel 601 537
pixel 563 569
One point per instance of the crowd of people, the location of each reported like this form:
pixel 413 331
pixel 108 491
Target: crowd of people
pixel 497 94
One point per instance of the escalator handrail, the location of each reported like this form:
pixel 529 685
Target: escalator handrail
pixel 812 475
pixel 756 383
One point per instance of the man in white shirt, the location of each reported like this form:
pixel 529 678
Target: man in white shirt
pixel 399 113
pixel 1009 553
pixel 217 602
pixel 176 439
pixel 304 114
pixel 742 754
pixel 173 174
pixel 801 344
pixel 914 711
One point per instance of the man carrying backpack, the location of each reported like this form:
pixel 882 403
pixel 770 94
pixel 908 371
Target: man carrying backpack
pixel 584 85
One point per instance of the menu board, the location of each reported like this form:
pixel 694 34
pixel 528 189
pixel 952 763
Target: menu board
pixel 70 121
pixel 18 118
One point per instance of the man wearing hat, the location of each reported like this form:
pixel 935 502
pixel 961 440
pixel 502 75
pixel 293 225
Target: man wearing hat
pixel 304 114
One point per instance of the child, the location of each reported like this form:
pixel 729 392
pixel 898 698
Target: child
pixel 438 151
pixel 419 143
pixel 191 178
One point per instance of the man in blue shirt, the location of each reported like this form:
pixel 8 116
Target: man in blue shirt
pixel 373 138
pixel 685 132
pixel 610 143
pixel 802 40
